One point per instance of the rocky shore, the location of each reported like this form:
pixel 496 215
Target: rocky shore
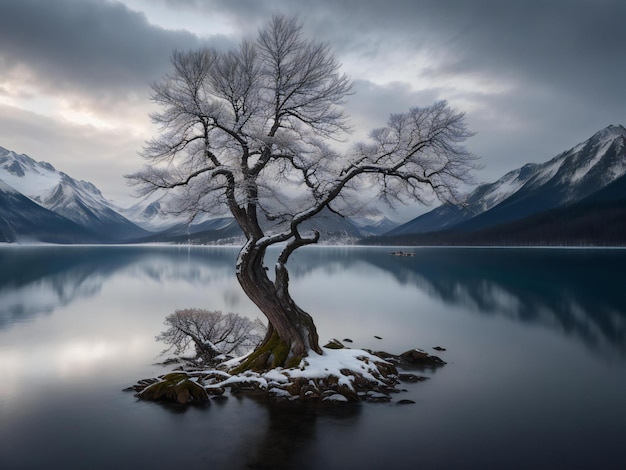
pixel 341 374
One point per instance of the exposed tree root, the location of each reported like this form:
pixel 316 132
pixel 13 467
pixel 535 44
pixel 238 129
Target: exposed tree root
pixel 270 355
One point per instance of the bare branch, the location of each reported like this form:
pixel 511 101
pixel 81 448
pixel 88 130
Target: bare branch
pixel 210 332
pixel 249 129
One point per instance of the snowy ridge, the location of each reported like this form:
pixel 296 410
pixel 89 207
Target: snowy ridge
pixel 572 167
pixel 27 176
pixel 5 188
pixel 586 166
pixel 149 219
pixel 502 189
pixel 78 201
pixel 565 179
pixel 150 213
pixel 50 188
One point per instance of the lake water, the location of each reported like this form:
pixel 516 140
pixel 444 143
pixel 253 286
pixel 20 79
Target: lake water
pixel 535 343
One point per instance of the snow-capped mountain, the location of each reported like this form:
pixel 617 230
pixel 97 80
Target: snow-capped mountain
pixel 376 225
pixel 149 213
pixel 22 219
pixel 566 179
pixel 41 203
pixel 78 201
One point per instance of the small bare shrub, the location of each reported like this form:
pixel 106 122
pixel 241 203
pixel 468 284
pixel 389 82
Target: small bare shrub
pixel 212 333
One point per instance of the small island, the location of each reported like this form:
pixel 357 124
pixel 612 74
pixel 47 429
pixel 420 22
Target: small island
pixel 339 374
pixel 402 253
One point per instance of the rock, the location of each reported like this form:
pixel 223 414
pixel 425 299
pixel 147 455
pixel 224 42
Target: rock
pixel 439 348
pixel 384 355
pixel 421 358
pixel 406 402
pixel 351 384
pixel 334 344
pixel 214 376
pixel 337 397
pixel 377 337
pixel 248 386
pixel 414 355
pixel 176 387
pixel 347 340
pixel 377 397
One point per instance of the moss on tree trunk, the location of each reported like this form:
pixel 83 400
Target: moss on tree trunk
pixel 272 353
pixel 291 333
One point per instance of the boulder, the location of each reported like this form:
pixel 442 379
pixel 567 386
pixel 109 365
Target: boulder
pixel 176 387
pixel 334 344
pixel 418 357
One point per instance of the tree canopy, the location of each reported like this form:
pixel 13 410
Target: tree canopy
pixel 253 130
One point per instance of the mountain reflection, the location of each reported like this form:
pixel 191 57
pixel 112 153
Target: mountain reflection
pixel 40 279
pixel 579 292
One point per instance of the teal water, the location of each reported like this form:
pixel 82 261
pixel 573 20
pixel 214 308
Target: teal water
pixel 535 343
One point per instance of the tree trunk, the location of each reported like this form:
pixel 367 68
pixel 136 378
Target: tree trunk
pixel 291 333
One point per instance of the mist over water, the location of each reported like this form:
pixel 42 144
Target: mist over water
pixel 535 343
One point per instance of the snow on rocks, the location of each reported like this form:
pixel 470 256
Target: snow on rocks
pixel 337 375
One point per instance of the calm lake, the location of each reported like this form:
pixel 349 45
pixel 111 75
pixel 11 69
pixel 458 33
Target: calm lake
pixel 535 343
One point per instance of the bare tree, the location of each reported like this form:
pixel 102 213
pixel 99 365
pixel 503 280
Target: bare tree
pixel 251 130
pixel 211 333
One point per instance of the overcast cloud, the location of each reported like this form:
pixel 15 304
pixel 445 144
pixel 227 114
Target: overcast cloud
pixel 535 77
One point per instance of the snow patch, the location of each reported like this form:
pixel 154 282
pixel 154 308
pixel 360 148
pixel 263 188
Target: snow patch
pixel 332 363
pixel 5 188
pixel 586 166
pixel 503 188
pixel 548 170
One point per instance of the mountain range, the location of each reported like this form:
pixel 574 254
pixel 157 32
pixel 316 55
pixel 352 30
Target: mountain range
pixel 38 203
pixel 576 198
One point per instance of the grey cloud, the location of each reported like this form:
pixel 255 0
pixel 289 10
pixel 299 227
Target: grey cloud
pixel 561 60
pixel 371 104
pixel 574 46
pixel 84 45
pixel 101 157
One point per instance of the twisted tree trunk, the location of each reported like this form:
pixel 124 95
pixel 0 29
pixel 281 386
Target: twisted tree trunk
pixel 291 333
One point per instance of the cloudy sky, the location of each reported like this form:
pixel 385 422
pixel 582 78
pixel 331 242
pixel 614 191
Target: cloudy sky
pixel 535 77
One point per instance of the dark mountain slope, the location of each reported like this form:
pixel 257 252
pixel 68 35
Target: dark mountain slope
pixel 598 220
pixel 23 220
pixel 567 178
